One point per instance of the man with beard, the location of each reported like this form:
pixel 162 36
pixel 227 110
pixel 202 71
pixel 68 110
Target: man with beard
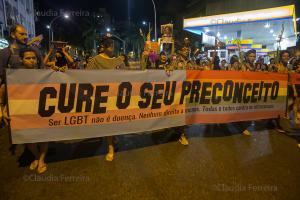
pixel 10 56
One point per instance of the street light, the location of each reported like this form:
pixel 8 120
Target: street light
pixel 66 16
pixel 48 27
pixel 108 29
pixel 149 25
pixel 154 20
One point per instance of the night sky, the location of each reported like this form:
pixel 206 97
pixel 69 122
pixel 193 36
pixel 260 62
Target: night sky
pixel 140 10
pixel 117 8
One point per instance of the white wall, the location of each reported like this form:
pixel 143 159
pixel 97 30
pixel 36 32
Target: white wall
pixel 25 14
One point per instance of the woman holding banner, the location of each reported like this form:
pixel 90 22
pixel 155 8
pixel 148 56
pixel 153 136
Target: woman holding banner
pixel 282 67
pixel 248 65
pixel 39 150
pixel 250 58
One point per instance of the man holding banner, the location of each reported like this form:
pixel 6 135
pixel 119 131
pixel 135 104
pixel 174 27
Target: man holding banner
pixel 105 60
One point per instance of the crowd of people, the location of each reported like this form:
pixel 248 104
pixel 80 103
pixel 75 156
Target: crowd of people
pixel 21 55
pixel 245 62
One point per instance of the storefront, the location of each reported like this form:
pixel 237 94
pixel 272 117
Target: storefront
pixel 264 30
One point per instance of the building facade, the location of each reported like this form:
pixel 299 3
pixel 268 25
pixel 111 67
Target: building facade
pixel 17 12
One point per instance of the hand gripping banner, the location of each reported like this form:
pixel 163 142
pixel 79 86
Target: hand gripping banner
pixel 51 106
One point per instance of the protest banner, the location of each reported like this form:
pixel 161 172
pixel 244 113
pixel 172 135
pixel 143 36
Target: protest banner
pixel 51 106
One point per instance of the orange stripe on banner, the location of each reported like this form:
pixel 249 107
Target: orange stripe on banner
pixel 232 75
pixel 295 78
pixel 225 118
pixel 20 122
pixel 282 84
pixel 32 91
pixel 17 91
pixel 27 91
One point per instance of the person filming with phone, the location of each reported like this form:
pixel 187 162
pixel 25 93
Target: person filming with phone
pixel 62 60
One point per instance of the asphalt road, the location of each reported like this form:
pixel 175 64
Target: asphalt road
pixel 219 163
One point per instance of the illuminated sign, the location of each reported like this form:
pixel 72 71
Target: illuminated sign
pixel 256 46
pixel 244 44
pixel 239 42
pixel 248 16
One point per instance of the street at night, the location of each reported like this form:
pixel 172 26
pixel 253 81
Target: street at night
pixel 219 163
pixel 150 99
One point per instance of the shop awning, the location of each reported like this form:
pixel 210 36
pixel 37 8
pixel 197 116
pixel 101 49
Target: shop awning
pixel 262 26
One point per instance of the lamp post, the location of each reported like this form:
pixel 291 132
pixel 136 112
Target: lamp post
pixel 50 27
pixel 2 34
pixel 123 41
pixel 154 20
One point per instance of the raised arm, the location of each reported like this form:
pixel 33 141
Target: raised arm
pixel 46 59
pixel 68 57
